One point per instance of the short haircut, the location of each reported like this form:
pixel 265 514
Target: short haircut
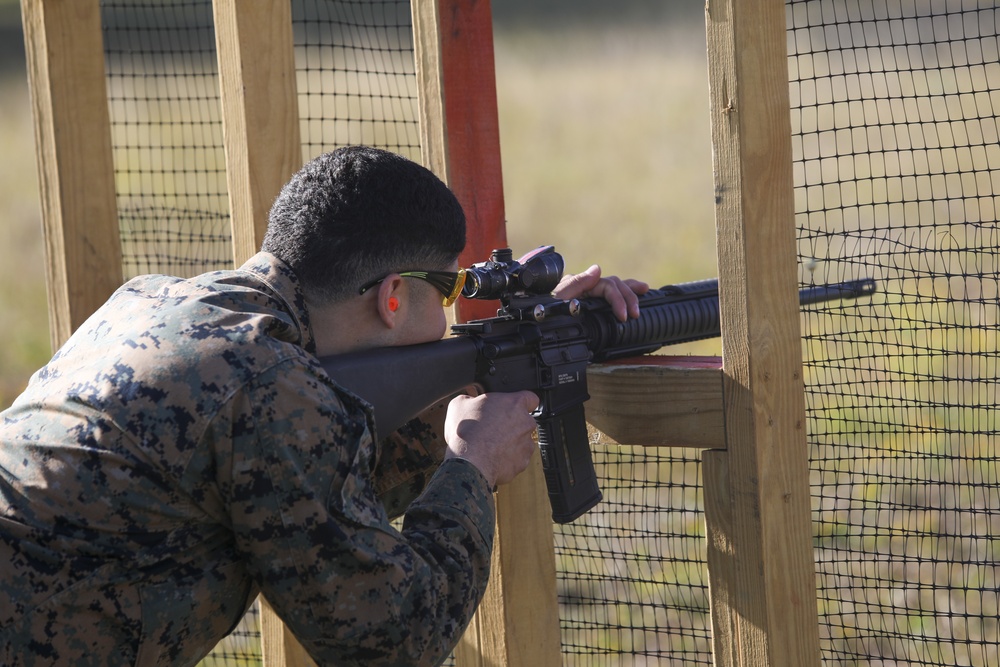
pixel 356 214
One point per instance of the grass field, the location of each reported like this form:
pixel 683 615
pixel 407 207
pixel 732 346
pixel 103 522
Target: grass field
pixel 607 150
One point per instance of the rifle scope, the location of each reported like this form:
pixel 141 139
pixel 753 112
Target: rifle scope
pixel 502 277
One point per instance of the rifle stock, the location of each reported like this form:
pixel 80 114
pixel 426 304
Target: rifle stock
pixel 542 344
pixel 401 382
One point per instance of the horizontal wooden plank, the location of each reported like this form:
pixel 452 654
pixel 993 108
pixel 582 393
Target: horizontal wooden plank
pixel 657 401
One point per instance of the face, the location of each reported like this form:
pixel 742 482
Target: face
pixel 419 317
pixel 425 319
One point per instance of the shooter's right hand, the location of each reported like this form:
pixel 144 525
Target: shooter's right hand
pixel 493 431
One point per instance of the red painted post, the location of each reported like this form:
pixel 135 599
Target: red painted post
pixel 473 132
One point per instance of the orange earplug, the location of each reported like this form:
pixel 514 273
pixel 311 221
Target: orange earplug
pixel 393 304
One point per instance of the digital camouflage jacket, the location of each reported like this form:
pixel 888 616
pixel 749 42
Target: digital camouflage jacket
pixel 185 450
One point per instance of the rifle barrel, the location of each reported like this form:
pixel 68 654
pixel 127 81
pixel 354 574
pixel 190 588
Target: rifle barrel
pixel 852 289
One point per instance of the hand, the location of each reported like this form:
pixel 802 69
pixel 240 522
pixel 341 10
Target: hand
pixel 493 432
pixel 620 294
pixel 434 417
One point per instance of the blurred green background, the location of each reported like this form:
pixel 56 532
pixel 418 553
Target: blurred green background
pixel 23 309
pixel 605 144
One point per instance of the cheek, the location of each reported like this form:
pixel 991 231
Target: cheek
pixel 441 324
pixel 432 322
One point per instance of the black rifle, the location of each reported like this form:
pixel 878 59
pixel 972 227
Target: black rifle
pixel 544 344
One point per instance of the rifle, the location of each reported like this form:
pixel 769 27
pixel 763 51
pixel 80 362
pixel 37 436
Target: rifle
pixel 544 344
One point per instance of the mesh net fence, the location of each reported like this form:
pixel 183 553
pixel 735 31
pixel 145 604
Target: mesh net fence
pixel 896 158
pixel 170 167
pixel 895 155
pixel 356 83
pixel 356 75
pixel 632 578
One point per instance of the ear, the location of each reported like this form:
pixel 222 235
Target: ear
pixel 390 301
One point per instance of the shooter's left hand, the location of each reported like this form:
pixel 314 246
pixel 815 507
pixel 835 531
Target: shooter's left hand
pixel 620 294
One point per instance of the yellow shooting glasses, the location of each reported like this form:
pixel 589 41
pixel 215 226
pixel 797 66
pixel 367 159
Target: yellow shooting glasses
pixel 449 283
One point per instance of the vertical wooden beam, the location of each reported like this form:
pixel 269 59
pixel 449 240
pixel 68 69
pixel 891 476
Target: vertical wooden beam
pixel 65 57
pixel 260 113
pixel 721 556
pixel 517 624
pixel 430 84
pixel 459 126
pixel 773 596
pixel 279 647
pixel 260 123
pixel 518 621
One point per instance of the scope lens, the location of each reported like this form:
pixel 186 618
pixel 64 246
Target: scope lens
pixel 485 283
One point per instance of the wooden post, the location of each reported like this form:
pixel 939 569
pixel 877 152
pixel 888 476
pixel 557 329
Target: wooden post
pixel 721 556
pixel 518 621
pixel 771 588
pixel 260 123
pixel 459 127
pixel 279 647
pixel 65 57
pixel 260 112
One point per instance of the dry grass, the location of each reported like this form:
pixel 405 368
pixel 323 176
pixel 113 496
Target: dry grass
pixel 607 149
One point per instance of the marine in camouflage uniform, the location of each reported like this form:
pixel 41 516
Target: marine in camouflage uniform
pixel 185 450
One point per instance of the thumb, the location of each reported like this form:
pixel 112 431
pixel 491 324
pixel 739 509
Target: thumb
pixel 530 400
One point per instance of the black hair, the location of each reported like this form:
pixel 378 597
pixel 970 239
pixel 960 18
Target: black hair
pixel 358 213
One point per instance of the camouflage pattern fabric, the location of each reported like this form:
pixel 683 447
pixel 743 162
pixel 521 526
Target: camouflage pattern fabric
pixel 185 450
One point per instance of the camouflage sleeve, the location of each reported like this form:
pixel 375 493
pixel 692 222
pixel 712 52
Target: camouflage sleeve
pixel 408 458
pixel 317 540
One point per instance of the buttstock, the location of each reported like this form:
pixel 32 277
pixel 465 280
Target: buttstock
pixel 401 382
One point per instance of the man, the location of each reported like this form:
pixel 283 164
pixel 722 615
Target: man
pixel 185 450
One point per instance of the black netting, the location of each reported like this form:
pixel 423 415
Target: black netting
pixel 242 647
pixel 357 79
pixel 632 579
pixel 170 168
pixel 896 158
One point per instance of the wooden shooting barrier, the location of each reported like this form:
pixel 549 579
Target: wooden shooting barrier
pixel 746 410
